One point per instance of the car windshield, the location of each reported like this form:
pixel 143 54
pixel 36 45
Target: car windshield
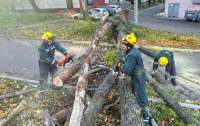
pixel 97 10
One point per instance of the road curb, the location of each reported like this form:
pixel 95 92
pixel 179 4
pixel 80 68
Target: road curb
pixel 174 49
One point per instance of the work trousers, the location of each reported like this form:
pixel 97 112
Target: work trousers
pixel 44 70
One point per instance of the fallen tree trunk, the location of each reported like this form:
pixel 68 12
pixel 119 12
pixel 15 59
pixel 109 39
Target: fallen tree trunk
pixel 183 104
pixel 14 94
pixel 97 101
pixel 79 102
pixel 22 106
pixel 77 66
pixel 184 114
pixel 147 51
pixel 130 110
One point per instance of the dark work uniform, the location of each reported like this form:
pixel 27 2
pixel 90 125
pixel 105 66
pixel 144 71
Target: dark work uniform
pixel 170 67
pixel 134 67
pixel 46 60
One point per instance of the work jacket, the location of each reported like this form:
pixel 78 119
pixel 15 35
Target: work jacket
pixel 47 52
pixel 170 67
pixel 133 65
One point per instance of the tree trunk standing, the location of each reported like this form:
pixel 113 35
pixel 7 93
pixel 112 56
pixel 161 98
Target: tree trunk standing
pixel 184 114
pixel 83 8
pixel 69 4
pixel 139 3
pixel 97 101
pixel 34 5
pixel 130 110
pixel 149 2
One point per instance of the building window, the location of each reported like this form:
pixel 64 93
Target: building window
pixel 196 1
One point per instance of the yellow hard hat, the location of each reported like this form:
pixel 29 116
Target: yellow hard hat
pixel 163 61
pixel 130 39
pixel 47 36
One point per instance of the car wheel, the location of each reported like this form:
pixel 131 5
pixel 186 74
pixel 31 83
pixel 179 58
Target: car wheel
pixel 198 19
pixel 194 19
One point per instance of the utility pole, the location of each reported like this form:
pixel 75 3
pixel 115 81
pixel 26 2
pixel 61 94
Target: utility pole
pixel 136 11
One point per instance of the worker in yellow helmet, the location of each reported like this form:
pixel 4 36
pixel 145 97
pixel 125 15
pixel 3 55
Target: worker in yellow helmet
pixel 165 59
pixel 47 63
pixel 134 67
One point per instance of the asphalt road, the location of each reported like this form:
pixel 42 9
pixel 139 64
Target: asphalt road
pixel 147 19
pixel 20 58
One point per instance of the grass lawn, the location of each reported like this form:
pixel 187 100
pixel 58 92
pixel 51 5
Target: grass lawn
pixel 33 24
pixel 10 19
pixel 150 37
pixel 63 29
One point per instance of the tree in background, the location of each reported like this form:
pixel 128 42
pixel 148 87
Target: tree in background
pixel 69 4
pixel 84 8
pixel 34 5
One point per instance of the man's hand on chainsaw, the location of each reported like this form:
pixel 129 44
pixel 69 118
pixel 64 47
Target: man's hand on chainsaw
pixel 66 59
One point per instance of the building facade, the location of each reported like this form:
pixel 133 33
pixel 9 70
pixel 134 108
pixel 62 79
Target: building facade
pixel 177 8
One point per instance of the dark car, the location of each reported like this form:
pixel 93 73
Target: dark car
pixel 198 18
pixel 192 15
pixel 110 10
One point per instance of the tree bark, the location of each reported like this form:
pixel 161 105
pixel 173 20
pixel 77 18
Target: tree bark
pixel 83 8
pixel 130 110
pixel 79 102
pixel 97 101
pixel 34 5
pixel 184 114
pixel 14 94
pixel 69 72
pixel 69 4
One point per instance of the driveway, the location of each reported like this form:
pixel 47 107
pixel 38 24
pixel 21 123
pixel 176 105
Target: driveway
pixel 147 19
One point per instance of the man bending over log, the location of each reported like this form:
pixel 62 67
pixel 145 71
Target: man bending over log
pixel 47 63
pixel 165 59
pixel 134 67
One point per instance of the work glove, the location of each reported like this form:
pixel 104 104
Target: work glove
pixel 173 81
pixel 67 58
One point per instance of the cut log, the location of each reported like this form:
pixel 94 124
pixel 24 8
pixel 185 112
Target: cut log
pixel 130 110
pixel 22 106
pixel 63 116
pixel 14 94
pixel 184 114
pixel 97 101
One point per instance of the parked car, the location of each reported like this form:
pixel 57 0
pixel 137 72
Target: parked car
pixel 80 15
pixel 192 15
pixel 117 8
pixel 98 13
pixel 110 10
